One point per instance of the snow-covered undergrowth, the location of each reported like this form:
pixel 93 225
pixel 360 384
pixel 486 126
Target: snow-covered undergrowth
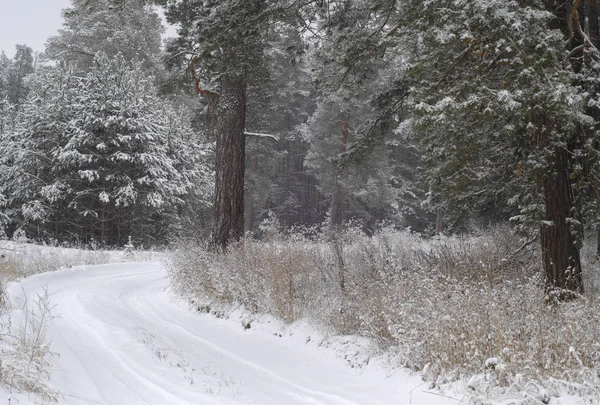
pixel 459 310
pixel 24 349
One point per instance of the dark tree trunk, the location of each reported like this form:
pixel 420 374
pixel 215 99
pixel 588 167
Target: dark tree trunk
pixel 337 201
pixel 560 253
pixel 560 250
pixel 336 212
pixel 597 242
pixel 228 210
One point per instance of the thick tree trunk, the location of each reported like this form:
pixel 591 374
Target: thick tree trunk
pixel 560 250
pixel 228 210
pixel 560 253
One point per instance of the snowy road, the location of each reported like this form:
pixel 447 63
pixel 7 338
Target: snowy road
pixel 122 339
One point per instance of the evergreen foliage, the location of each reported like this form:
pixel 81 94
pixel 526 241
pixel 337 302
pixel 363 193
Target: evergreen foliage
pixel 127 27
pixel 98 158
pixel 427 113
pixel 15 73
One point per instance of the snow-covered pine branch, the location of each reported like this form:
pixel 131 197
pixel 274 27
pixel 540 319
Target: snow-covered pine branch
pixel 261 135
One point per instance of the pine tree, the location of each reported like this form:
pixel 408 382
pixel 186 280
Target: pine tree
pixel 226 41
pixel 353 152
pixel 28 150
pixel 127 27
pixel 280 100
pixel 501 119
pixel 99 158
pixel 4 66
pixel 21 66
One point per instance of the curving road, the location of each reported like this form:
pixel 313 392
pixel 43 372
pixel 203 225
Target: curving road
pixel 122 339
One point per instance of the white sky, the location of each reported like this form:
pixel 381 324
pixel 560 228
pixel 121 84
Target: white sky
pixel 31 22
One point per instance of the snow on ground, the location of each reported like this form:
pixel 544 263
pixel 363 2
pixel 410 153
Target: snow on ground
pixel 123 339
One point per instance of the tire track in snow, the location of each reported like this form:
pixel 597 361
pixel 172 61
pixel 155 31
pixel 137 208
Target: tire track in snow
pixel 112 315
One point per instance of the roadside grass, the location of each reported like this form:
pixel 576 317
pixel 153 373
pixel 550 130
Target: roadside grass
pixel 25 348
pixel 468 309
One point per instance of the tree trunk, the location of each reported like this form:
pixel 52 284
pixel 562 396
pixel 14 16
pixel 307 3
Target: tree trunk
pixel 288 184
pixel 593 22
pixel 313 200
pixel 249 211
pixel 439 223
pixel 560 250
pixel 336 213
pixel 560 253
pixel 228 210
pixel 597 242
pixel 103 238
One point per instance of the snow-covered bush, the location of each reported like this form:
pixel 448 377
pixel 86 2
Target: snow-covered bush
pixel 276 278
pixel 21 260
pixel 448 307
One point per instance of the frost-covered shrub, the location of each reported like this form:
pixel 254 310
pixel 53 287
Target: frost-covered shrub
pixel 20 260
pixel 448 307
pixel 276 278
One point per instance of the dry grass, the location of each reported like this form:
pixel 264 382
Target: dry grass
pixel 25 349
pixel 451 308
pixel 3 298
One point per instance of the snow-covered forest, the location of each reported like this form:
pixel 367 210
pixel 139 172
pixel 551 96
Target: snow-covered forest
pixel 421 174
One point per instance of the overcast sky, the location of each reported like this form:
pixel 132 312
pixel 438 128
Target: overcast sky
pixel 31 22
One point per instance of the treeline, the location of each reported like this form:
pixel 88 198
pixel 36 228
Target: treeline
pixel 438 116
pixel 475 111
pixel 103 137
pixel 90 149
